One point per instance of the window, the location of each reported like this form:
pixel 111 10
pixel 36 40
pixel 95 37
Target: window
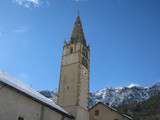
pixel 71 50
pixel 96 113
pixel 20 118
pixel 67 87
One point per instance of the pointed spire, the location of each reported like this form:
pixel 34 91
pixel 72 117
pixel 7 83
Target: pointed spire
pixel 77 33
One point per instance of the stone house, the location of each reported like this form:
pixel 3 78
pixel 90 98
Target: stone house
pixel 100 111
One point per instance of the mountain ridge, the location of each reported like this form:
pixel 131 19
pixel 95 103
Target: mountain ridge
pixel 124 95
pixel 116 96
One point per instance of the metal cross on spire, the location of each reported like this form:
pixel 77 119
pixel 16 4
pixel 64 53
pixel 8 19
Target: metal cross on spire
pixel 77 7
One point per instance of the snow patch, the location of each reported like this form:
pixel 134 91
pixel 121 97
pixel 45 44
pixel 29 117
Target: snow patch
pixel 133 85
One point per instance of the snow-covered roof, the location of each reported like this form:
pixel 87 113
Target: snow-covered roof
pixel 18 85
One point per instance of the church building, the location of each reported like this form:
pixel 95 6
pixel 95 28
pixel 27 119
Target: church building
pixel 20 102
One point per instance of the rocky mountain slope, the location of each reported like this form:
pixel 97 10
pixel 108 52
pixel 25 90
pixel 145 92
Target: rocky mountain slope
pixel 146 110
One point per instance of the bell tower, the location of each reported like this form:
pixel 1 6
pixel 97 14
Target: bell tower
pixel 73 91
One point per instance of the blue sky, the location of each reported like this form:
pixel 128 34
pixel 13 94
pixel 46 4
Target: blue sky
pixel 124 36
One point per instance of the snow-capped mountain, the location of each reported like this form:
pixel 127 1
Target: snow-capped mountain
pixel 50 94
pixel 117 96
pixel 125 95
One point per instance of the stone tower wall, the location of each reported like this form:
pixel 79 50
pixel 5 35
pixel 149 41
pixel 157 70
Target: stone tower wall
pixel 74 75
